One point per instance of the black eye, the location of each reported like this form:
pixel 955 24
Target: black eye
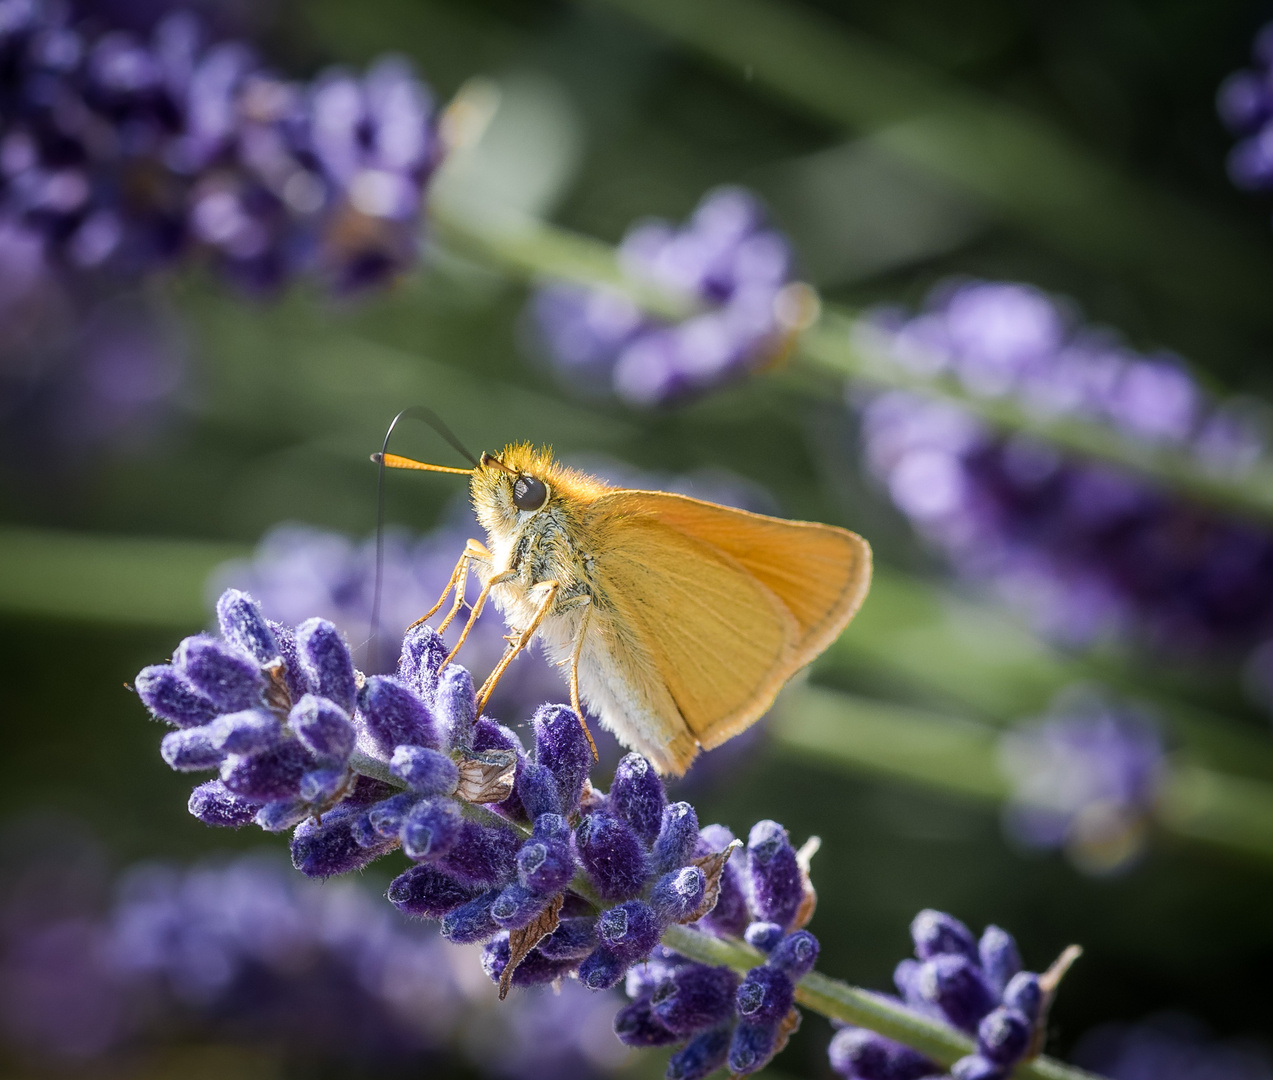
pixel 529 493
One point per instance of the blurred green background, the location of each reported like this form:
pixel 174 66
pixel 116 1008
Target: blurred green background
pixel 627 108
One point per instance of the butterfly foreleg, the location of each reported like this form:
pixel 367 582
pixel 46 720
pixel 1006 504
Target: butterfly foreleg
pixel 496 579
pixel 518 643
pixel 472 550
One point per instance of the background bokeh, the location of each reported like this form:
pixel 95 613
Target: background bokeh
pixel 264 409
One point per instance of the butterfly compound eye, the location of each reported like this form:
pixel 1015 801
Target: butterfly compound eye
pixel 529 493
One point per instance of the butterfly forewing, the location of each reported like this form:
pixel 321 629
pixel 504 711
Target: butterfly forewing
pixel 820 573
pixel 721 599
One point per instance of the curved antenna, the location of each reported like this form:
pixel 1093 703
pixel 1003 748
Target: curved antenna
pixel 415 412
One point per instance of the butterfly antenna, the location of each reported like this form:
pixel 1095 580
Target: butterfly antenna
pixel 414 412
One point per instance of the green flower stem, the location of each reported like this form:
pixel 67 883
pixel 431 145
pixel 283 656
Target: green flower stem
pixel 840 1001
pixel 1020 165
pixel 833 346
pixel 959 757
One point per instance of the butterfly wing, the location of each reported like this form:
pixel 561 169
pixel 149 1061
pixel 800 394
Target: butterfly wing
pixel 726 605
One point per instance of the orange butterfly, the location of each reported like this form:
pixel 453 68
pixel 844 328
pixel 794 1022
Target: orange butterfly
pixel 680 619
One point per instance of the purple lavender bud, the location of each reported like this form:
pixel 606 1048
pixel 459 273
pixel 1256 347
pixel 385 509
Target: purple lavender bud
pixel 730 916
pixel 455 704
pixel 387 816
pixel 322 785
pixel 220 672
pixel 1003 1036
pixel 273 773
pixel 955 984
pixel 795 955
pixel 431 829
pixel 170 696
pixel 695 997
pixel 215 804
pixel 297 685
pixel 1024 994
pixel 701 1056
pixel 551 827
pixel 423 651
pixel 427 892
pixel 282 814
pixel 191 750
pixel 602 968
pixel 572 940
pixel 766 995
pixel 537 789
pixel 545 866
pixel 327 662
pixel 777 887
pixel 395 714
pixel 245 732
pixel 323 728
pixel 471 922
pixel 936 934
pixel 638 797
pixel 517 906
pixel 677 839
pixel 976 1067
pixel 1000 959
pixel 242 624
pixel 630 930
pixel 637 1025
pixel 906 979
pixel 858 1054
pixel 488 735
pixel 429 772
pixel 752 1046
pixel 612 855
pixel 764 936
pixel 562 746
pixel 677 895
pixel 329 848
pixel 483 855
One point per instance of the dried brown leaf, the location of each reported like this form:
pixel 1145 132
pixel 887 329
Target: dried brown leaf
pixel 789 1026
pixel 486 776
pixel 520 942
pixel 809 902
pixel 277 695
pixel 713 866
pixel 1049 982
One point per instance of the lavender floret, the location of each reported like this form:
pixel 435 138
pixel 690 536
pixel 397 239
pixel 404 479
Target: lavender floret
pixel 171 696
pixel 215 804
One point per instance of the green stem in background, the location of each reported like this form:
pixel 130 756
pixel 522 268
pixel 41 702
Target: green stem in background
pixel 535 251
pixel 960 758
pixel 1021 165
pixel 839 1001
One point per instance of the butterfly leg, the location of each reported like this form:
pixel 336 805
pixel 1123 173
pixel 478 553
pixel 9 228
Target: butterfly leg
pixel 472 550
pixel 517 643
pixel 574 678
pixel 496 579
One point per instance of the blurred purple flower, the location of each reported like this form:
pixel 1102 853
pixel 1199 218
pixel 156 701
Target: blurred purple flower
pixel 1170 1047
pixel 123 151
pixel 245 951
pixel 1085 778
pixel 727 258
pixel 1245 104
pixel 1086 549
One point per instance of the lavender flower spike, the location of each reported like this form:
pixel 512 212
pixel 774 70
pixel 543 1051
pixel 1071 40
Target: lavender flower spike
pixel 727 258
pixel 553 876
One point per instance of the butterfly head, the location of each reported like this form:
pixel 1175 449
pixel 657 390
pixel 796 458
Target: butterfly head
pixel 522 484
